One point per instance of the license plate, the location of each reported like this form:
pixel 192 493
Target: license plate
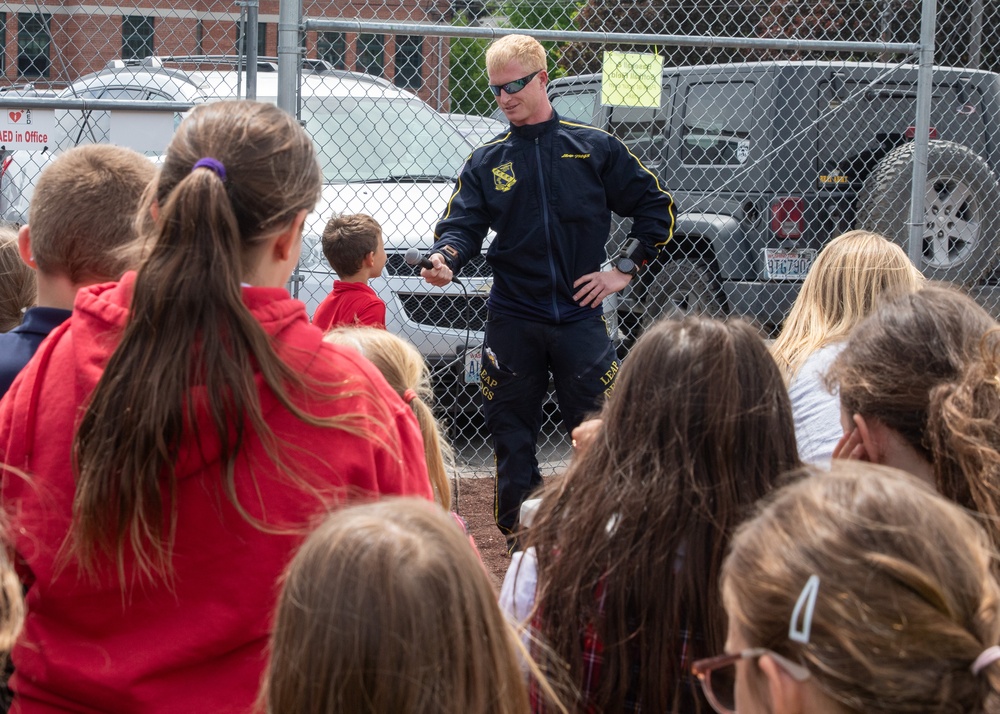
pixel 782 264
pixel 473 363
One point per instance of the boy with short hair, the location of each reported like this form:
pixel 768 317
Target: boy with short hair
pixel 353 246
pixel 80 231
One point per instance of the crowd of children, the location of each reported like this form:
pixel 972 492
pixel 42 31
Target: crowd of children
pixel 209 505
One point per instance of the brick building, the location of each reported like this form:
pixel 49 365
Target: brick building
pixel 52 44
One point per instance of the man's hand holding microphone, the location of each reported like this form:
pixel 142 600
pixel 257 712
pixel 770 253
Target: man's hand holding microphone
pixel 433 268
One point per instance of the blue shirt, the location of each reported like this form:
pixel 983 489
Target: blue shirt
pixel 18 345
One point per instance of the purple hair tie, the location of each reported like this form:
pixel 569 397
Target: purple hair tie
pixel 214 165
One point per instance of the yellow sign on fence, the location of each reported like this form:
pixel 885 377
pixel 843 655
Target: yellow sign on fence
pixel 631 79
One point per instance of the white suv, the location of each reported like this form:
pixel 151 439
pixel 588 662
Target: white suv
pixel 383 152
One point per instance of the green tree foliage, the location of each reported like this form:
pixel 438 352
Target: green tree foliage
pixel 467 75
pixel 543 15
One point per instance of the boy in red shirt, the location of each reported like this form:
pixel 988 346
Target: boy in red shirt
pixel 353 246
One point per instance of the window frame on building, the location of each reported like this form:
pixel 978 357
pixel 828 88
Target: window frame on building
pixel 409 62
pixel 138 40
pixel 366 59
pixel 261 38
pixel 23 19
pixel 332 47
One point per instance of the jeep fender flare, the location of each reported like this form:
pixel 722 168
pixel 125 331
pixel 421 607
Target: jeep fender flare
pixel 706 238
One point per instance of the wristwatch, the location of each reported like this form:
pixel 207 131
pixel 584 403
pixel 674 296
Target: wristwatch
pixel 626 265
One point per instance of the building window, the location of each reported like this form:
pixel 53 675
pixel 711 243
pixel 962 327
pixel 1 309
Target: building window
pixel 33 43
pixel 409 61
pixel 261 38
pixel 3 42
pixel 332 47
pixel 371 49
pixel 137 37
pixel 199 38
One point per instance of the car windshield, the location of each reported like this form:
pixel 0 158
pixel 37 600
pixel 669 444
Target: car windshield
pixel 380 140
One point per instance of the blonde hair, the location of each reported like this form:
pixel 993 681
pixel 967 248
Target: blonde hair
pixel 906 599
pixel 17 282
pixel 386 608
pixel 405 370
pixel 83 213
pixel 853 273
pixel 526 51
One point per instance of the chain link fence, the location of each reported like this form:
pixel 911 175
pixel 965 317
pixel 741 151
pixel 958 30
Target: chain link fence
pixel 777 126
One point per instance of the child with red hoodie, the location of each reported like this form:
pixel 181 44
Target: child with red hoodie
pixel 353 246
pixel 170 444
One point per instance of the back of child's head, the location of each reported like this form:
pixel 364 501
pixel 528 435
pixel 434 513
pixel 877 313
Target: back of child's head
pixel 904 597
pixel 17 281
pixel 926 366
pixel 386 609
pixel 407 373
pixel 347 239
pixel 84 212
pixel 851 276
pixel 239 177
pixel 698 427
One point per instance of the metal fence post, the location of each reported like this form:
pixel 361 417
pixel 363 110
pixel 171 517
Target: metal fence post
pixel 925 77
pixel 251 48
pixel 289 16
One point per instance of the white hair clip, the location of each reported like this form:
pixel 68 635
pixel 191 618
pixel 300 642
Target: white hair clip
pixel 804 607
pixel 987 657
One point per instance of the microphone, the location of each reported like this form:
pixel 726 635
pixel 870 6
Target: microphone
pixel 414 260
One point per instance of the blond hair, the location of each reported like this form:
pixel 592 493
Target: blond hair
pixel 852 274
pixel 17 282
pixel 905 602
pixel 386 608
pixel 84 210
pixel 526 51
pixel 405 370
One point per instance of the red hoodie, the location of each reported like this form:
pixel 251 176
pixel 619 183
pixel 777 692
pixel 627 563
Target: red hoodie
pixel 197 643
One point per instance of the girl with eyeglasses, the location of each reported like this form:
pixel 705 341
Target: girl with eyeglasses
pixel 858 590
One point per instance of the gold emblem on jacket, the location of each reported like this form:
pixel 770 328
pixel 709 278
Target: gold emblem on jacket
pixel 503 177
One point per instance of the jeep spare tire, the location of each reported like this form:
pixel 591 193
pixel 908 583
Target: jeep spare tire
pixel 961 209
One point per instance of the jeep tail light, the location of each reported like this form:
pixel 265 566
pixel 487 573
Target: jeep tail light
pixel 911 131
pixel 787 217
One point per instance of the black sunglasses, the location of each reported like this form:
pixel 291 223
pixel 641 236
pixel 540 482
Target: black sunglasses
pixel 513 87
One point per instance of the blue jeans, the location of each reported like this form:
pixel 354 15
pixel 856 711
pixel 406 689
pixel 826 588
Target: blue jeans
pixel 518 356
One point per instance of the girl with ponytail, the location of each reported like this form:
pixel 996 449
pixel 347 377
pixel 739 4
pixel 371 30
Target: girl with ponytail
pixel 407 373
pixel 919 384
pixel 172 443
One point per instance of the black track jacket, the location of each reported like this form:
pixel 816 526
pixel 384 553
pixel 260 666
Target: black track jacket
pixel 548 191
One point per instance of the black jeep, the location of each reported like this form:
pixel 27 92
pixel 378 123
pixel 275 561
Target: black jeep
pixel 769 160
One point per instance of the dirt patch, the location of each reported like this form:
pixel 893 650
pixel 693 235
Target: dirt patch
pixel 475 505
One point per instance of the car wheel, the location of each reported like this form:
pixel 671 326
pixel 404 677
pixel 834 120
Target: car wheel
pixel 681 288
pixel 961 209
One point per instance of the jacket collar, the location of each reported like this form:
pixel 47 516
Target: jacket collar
pixel 533 131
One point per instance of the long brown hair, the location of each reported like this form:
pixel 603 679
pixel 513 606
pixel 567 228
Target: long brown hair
pixel 927 365
pixel 905 602
pixel 406 371
pixel 697 429
pixel 188 326
pixel 386 608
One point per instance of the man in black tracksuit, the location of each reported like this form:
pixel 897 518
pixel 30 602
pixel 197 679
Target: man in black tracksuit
pixel 547 187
